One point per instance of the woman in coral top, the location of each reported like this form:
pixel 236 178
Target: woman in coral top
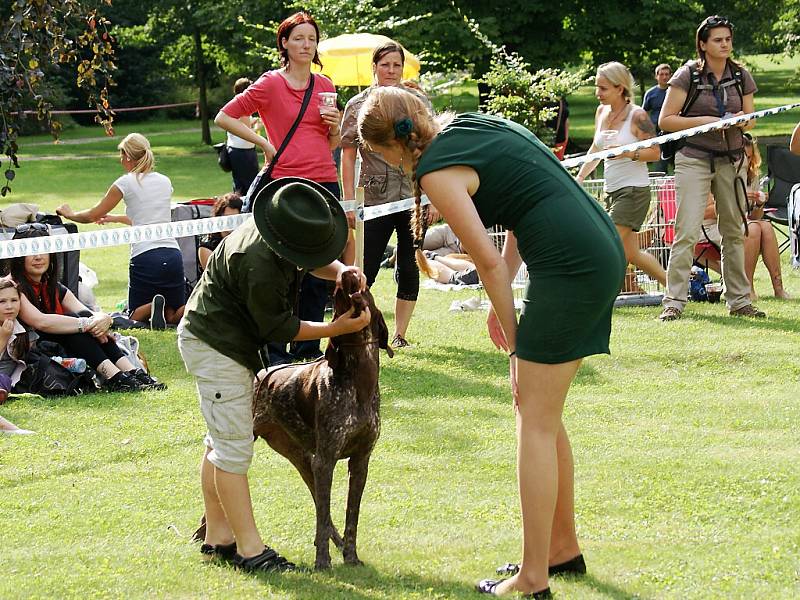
pixel 277 97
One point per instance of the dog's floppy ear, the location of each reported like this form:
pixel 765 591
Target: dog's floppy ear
pixel 383 331
pixel 332 355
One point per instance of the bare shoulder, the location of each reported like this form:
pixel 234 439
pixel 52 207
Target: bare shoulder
pixel 643 123
pixel 456 178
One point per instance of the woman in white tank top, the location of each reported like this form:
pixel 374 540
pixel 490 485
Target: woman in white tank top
pixel 619 122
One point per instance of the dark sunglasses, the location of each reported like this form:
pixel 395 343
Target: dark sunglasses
pixel 25 227
pixel 716 21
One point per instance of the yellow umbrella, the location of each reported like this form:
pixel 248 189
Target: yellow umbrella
pixel 347 59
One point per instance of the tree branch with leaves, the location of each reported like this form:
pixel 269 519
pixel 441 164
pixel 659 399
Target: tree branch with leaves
pixel 39 35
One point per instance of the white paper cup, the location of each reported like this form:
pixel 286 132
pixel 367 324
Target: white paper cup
pixel 608 138
pixel 327 99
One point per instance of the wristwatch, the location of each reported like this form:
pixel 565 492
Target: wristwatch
pixel 635 155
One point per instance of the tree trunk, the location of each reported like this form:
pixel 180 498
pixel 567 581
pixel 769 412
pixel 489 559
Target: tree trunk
pixel 200 68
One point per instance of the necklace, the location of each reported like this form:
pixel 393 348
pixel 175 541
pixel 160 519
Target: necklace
pixel 612 117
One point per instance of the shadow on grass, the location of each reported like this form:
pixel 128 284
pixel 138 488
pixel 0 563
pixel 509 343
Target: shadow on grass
pixel 100 461
pixel 366 582
pixel 608 589
pixel 784 324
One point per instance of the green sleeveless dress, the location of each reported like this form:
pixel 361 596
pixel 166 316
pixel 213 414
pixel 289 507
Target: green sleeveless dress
pixel 572 250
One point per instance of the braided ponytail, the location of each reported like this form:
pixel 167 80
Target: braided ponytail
pixel 391 114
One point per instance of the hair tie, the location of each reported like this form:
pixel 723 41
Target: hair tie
pixel 403 127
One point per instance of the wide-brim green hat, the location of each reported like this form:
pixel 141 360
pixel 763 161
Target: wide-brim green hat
pixel 301 221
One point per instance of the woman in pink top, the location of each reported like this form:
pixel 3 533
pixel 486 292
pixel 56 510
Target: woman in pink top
pixel 277 97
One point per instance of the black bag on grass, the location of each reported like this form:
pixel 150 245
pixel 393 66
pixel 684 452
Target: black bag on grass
pixel 46 377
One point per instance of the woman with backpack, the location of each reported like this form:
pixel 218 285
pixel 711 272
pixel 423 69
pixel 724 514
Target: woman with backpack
pixel 289 102
pixel 701 92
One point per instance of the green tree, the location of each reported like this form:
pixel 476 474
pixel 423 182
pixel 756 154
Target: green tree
pixel 36 33
pixel 203 39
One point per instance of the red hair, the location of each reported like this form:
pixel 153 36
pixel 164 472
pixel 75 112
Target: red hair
pixel 285 30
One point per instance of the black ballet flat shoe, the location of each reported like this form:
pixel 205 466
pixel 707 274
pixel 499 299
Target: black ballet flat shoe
pixel 489 586
pixel 572 567
pixel 226 552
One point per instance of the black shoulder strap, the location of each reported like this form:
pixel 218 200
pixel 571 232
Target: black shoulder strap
pixel 694 88
pixel 306 100
pixel 738 77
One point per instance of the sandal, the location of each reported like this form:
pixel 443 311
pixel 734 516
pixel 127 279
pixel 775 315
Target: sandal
pixel 574 566
pixel 226 552
pixel 268 561
pixel 489 586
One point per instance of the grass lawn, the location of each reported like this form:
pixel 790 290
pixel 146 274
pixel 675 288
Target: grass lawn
pixel 686 446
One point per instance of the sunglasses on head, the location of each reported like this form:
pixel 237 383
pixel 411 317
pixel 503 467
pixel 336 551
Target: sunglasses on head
pixel 25 227
pixel 30 230
pixel 716 21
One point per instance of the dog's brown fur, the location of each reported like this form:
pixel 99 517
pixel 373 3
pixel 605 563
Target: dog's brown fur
pixel 316 414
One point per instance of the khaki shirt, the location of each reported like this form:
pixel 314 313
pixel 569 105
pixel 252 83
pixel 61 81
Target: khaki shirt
pixel 706 105
pixel 382 182
pixel 245 298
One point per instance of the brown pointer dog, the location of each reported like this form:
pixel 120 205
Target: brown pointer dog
pixel 317 413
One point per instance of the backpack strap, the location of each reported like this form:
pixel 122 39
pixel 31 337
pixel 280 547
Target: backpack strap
pixel 695 87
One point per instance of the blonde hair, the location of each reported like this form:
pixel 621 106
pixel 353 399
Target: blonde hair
pixel 754 164
pixel 393 114
pixel 136 147
pixel 619 75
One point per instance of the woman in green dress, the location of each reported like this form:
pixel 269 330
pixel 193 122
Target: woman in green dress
pixel 479 171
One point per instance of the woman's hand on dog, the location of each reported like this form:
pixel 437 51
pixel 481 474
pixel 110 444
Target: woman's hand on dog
pixel 347 323
pixel 362 279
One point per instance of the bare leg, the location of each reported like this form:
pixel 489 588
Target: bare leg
pixel 218 531
pixel 142 313
pixel 173 316
pixel 456 264
pixel 123 364
pixel 635 255
pixel 543 389
pixel 752 248
pixel 233 491
pixel 403 309
pixel 564 540
pixel 7 425
pixel 772 258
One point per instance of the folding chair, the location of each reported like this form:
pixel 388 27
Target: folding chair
pixel 794 224
pixel 706 249
pixel 783 169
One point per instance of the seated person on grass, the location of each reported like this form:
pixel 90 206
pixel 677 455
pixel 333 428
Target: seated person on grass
pixel 15 340
pixel 56 314
pixel 156 288
pixel 229 204
pixel 455 269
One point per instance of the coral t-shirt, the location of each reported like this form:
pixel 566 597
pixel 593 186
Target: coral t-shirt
pixel 277 103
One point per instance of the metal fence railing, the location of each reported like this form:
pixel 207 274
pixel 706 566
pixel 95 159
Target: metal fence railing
pixel 655 237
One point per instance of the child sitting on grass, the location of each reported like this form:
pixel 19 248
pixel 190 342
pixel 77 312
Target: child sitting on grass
pixel 14 338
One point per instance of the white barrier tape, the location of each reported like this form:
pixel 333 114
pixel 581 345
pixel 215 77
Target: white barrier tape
pixel 119 235
pixel 678 135
pixel 176 229
pixel 381 210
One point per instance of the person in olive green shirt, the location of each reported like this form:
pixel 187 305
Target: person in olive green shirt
pixel 243 300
